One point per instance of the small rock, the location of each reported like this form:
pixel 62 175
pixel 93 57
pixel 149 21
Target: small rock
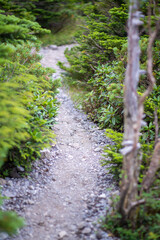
pixel 73 228
pixel 2 181
pixel 9 194
pixel 115 193
pixel 110 201
pixel 36 175
pixel 92 195
pixel 20 169
pixel 97 149
pixel 81 225
pixel 14 173
pixel 75 145
pixel 31 202
pixel 41 223
pixel 9 183
pixel 70 156
pixel 86 231
pixel 92 237
pixel 103 196
pixel 3 236
pixel 99 235
pixel 45 153
pixel 31 187
pixel 53 47
pixel 62 234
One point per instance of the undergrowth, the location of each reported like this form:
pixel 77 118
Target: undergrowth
pixel 62 37
pixel 147 218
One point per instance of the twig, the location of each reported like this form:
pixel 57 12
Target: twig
pixel 156 125
pixel 150 64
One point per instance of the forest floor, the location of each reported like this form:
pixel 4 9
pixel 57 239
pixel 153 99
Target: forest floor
pixel 67 191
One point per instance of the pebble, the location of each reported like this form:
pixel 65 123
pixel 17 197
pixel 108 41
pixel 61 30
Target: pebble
pixel 86 231
pixel 53 47
pixel 99 235
pixel 62 234
pixel 103 196
pixel 45 153
pixel 2 181
pixel 31 187
pixel 97 149
pixel 3 236
pixel 9 194
pixel 81 225
pixel 31 202
pixel 20 169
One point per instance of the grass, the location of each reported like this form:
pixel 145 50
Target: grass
pixel 64 36
pixel 76 90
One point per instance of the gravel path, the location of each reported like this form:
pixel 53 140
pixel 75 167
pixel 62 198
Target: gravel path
pixel 66 193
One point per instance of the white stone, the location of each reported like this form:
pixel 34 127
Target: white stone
pixel 103 195
pixel 97 149
pixel 21 169
pixel 53 47
pixel 62 234
pixel 45 153
pixel 3 236
pixel 86 231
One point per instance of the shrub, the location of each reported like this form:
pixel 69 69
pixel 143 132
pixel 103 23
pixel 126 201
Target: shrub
pixel 34 90
pixel 103 30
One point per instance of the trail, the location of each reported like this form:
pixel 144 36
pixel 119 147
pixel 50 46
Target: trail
pixel 67 190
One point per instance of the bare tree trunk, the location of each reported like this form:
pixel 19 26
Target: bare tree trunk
pixel 132 116
pixel 133 119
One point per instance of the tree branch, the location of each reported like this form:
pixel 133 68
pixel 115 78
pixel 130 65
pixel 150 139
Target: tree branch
pixel 150 64
pixel 156 126
pixel 154 166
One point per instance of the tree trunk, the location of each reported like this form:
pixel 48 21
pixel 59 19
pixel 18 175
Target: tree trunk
pixel 132 117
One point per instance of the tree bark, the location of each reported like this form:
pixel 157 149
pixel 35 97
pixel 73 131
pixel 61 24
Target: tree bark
pixel 132 117
pixel 154 166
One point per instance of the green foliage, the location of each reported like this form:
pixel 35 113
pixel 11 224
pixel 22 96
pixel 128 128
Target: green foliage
pixel 62 37
pixel 97 39
pixel 13 125
pixel 148 219
pixel 9 221
pixel 100 42
pixel 51 14
pixel 28 104
pixel 104 103
pixel 103 39
pixel 36 91
pixel 14 30
pixel 113 159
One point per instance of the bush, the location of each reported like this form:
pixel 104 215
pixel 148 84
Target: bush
pixel 103 30
pixel 148 219
pixel 30 120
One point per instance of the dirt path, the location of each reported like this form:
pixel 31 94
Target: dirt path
pixel 68 186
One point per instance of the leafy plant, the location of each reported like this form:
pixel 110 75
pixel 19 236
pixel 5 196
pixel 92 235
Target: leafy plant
pixel 148 219
pixel 28 103
pixel 9 221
